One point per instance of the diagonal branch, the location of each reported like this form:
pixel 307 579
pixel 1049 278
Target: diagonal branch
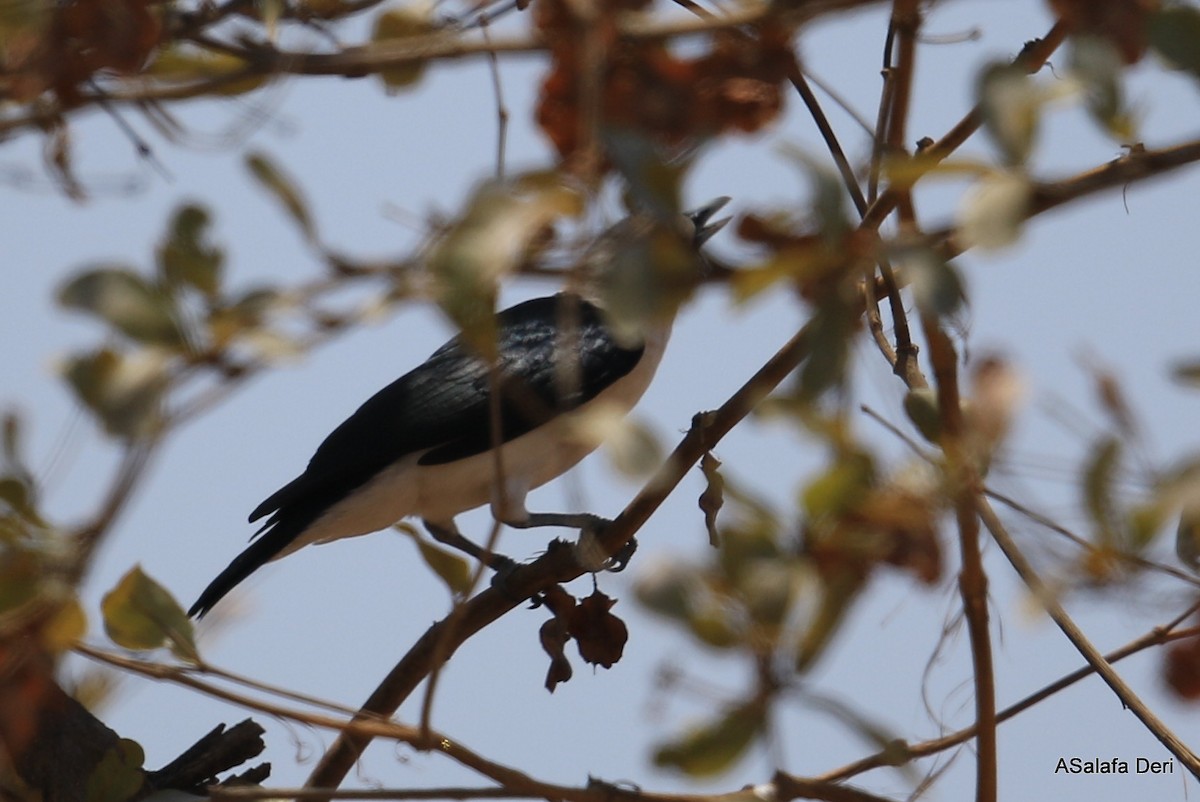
pixel 557 565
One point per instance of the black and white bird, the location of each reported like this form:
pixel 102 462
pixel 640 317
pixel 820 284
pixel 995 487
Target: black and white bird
pixel 423 445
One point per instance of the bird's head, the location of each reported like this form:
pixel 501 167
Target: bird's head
pixel 643 268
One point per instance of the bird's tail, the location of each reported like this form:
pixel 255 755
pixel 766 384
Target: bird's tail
pixel 264 549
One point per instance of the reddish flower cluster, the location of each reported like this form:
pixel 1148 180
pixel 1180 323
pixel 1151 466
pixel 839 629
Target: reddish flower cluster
pixel 643 86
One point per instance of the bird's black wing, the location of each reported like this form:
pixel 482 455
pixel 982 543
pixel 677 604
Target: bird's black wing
pixel 442 406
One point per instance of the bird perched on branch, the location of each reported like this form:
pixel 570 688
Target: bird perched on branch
pixel 424 445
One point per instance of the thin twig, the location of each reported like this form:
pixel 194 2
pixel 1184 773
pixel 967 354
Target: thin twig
pixel 1158 636
pixel 1079 640
pixel 972 580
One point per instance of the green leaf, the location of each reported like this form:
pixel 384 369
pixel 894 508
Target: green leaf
pixel 124 391
pixel 832 329
pixel 21 577
pixel 501 224
pixel 140 614
pixel 1011 105
pixel 400 24
pixel 450 568
pixel 127 302
pixel 118 777
pixel 937 287
pixel 1096 64
pixel 1187 539
pixel 18 495
pixel 185 257
pixel 921 406
pixel 1175 35
pixel 285 191
pixel 1099 474
pixel 838 593
pixel 715 747
pixel 65 627
pixel 190 65
pixel 668 588
pixel 993 210
pixel 845 483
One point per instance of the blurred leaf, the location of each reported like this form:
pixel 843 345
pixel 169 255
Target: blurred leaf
pixel 118 777
pixel 284 189
pixel 715 747
pixel 838 592
pixel 767 587
pixel 494 236
pixel 1187 539
pixel 65 627
pixel 21 578
pixel 831 330
pixel 714 625
pixel 1182 669
pixel 124 300
pixel 1112 400
pixel 1175 35
pixel 1187 373
pixel 668 587
pixel 828 198
pixel 399 24
pixel 921 407
pixel 843 485
pixel 994 210
pixel 1096 64
pixel 937 287
pixel 140 614
pixel 246 313
pixel 1011 105
pixel 450 568
pixel 1099 474
pixel 124 391
pixel 185 258
pixel 653 180
pixel 713 497
pixel 17 494
pixel 632 448
pixel 229 74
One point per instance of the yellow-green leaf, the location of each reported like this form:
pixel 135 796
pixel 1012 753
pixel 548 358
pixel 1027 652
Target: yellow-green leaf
pixel 124 390
pixel 65 627
pixel 118 777
pixel 399 24
pixel 921 406
pixel 283 187
pixel 140 614
pixel 713 748
pixel 1011 104
pixel 1175 35
pixel 1099 475
pixel 127 302
pixel 450 568
pixel 185 257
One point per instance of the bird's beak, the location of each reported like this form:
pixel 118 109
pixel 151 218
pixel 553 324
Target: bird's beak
pixel 701 216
